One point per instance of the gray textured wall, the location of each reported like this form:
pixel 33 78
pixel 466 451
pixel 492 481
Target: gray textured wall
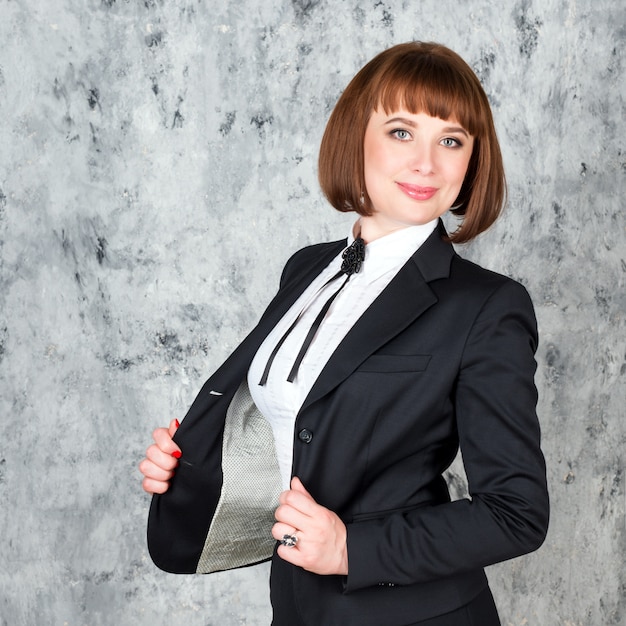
pixel 157 167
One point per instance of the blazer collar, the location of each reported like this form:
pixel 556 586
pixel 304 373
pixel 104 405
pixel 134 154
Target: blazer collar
pixel 434 257
pixel 406 297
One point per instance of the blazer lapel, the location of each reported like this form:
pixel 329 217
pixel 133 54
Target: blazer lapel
pixel 406 297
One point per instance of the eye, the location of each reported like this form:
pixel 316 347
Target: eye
pixel 451 142
pixel 401 134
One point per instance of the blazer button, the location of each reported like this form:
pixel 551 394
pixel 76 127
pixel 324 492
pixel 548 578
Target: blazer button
pixel 305 435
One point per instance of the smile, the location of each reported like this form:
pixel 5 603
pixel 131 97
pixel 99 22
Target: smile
pixel 416 192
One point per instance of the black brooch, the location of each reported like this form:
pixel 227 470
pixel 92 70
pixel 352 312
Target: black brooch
pixel 353 257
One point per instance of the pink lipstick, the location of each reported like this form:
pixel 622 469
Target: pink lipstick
pixel 417 192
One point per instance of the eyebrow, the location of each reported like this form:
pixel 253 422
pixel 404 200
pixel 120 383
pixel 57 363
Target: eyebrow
pixel 412 124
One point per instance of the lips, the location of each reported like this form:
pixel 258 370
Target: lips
pixel 417 192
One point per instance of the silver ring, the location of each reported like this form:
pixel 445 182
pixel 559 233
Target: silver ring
pixel 289 540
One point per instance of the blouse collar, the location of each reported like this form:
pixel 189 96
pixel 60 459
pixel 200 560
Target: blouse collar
pixel 393 250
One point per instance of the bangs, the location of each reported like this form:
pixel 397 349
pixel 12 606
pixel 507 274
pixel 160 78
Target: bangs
pixel 426 85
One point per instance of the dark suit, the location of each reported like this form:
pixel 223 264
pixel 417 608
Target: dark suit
pixel 445 355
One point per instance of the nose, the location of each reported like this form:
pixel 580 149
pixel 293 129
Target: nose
pixel 421 159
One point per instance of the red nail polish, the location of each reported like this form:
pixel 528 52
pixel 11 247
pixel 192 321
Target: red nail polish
pixel 177 454
pixel 177 423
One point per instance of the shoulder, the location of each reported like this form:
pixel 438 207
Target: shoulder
pixel 480 278
pixel 306 257
pixel 315 250
pixel 484 290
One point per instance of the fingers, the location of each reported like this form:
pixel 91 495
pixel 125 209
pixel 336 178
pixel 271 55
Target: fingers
pixel 297 506
pixel 291 517
pixel 320 547
pixel 159 463
pixel 290 511
pixel 157 468
pixel 156 479
pixel 321 536
pixel 161 459
pixel 280 531
pixel 298 498
pixel 296 485
pixel 154 486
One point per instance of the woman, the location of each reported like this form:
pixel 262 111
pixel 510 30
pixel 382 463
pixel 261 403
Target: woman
pixel 341 410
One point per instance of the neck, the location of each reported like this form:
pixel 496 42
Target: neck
pixel 369 230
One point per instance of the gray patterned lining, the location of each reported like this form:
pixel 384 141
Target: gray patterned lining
pixel 240 533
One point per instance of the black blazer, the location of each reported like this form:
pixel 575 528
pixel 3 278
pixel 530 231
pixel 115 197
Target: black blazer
pixel 444 356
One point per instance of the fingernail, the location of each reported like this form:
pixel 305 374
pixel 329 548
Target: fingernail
pixel 177 423
pixel 177 454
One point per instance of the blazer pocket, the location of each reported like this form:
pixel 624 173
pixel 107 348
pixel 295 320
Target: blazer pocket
pixel 395 363
pixel 371 515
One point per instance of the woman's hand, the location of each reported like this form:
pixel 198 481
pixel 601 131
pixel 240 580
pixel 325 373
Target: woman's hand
pixel 321 545
pixel 161 460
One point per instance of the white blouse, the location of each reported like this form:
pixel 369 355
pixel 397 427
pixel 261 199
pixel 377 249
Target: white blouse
pixel 279 400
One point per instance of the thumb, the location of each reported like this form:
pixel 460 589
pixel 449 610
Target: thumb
pixel 296 485
pixel 173 427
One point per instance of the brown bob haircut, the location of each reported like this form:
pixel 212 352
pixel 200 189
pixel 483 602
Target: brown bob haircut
pixel 421 78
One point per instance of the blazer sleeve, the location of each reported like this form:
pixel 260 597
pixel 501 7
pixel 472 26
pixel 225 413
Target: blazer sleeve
pixel 507 512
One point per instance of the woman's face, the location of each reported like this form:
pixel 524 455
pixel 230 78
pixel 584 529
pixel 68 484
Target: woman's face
pixel 414 167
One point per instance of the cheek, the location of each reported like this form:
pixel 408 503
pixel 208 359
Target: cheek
pixel 464 165
pixel 370 161
pixel 458 171
pixel 376 158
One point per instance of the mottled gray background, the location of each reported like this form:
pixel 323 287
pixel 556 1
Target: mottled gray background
pixel 158 166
